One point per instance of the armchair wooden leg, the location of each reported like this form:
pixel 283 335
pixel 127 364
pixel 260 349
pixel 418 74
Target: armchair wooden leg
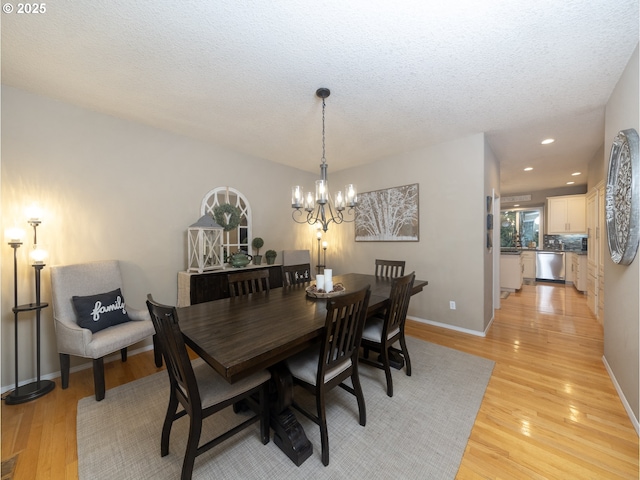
pixel 98 377
pixel 123 354
pixel 157 354
pixel 64 369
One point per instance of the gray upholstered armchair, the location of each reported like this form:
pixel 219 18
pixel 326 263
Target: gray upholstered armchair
pixel 88 282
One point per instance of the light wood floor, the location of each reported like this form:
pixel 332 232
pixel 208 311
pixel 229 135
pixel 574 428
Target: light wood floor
pixel 550 410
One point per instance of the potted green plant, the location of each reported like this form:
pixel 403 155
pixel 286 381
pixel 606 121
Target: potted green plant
pixel 271 256
pixel 257 243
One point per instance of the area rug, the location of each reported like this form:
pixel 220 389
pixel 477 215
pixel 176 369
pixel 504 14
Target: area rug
pixel 420 432
pixel 8 467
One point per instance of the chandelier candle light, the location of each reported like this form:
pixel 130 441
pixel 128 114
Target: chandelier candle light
pixel 320 209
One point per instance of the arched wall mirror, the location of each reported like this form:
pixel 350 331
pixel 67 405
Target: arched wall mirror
pixel 239 238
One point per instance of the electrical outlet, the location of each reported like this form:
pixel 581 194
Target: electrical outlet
pixel 452 305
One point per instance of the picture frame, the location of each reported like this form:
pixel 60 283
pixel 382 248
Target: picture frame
pixel 399 204
pixel 489 202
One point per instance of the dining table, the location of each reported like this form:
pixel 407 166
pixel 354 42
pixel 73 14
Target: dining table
pixel 239 336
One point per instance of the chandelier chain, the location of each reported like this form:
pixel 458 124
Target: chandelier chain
pixel 324 160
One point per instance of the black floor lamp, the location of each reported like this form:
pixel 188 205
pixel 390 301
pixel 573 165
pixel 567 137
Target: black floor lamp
pixel 33 390
pixel 324 256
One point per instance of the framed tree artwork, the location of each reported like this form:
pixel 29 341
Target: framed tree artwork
pixel 388 215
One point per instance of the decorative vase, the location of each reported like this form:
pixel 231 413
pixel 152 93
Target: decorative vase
pixel 239 260
pixel 257 259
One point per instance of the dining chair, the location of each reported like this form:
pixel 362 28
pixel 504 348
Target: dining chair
pixel 92 318
pixel 381 331
pixel 296 257
pixel 250 281
pixel 321 368
pixel 296 274
pixel 389 268
pixel 201 391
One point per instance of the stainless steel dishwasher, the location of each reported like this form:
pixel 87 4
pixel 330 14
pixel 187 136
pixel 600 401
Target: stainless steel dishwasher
pixel 550 266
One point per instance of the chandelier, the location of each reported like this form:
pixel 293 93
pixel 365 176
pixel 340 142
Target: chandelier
pixel 320 209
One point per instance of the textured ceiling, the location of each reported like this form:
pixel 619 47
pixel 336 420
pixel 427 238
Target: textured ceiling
pixel 403 75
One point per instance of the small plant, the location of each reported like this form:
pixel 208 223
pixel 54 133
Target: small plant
pixel 271 256
pixel 257 244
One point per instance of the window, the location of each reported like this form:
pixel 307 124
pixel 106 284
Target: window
pixel 239 238
pixel 518 228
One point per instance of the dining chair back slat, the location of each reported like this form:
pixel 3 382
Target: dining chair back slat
pixel 244 283
pixel 389 268
pixel 296 274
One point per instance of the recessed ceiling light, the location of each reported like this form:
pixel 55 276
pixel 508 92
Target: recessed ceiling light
pixel 575 174
pixel 547 141
pixel 516 205
pixel 528 169
pixel 570 183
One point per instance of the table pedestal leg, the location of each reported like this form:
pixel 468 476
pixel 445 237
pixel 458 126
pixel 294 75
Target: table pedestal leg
pixel 288 435
pixel 396 360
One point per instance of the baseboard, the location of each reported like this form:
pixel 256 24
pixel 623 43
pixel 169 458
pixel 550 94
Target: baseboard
pixel 626 405
pixel 77 368
pixel 453 327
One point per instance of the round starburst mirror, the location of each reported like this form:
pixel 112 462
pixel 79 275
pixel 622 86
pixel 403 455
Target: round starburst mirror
pixel 621 201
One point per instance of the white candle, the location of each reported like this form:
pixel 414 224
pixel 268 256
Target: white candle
pixel 320 282
pixel 328 285
pixel 328 274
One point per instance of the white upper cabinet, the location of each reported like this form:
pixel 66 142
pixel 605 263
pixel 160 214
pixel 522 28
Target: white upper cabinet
pixel 566 214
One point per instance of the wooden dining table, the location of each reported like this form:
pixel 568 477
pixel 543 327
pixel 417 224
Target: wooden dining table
pixel 241 335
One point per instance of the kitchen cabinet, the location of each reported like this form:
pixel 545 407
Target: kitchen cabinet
pixel 566 215
pixel 601 251
pixel 511 272
pixel 568 271
pixel 596 250
pixel 529 264
pixel 579 271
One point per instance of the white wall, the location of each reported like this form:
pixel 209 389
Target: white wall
pixel 622 283
pixel 451 252
pixel 116 189
pixel 596 168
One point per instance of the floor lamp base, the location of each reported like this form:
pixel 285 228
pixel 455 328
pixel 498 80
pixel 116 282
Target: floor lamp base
pixel 30 391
